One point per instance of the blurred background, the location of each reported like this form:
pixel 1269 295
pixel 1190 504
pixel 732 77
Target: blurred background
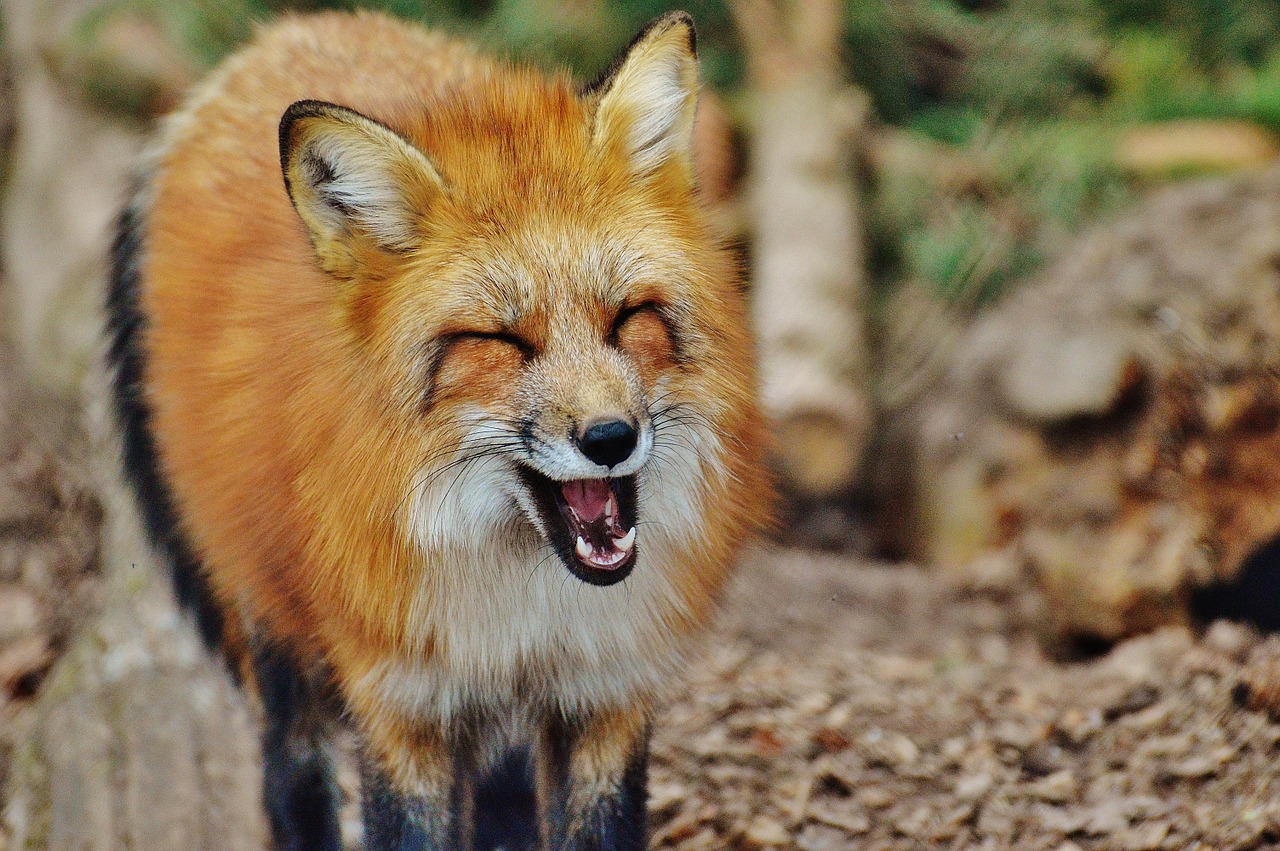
pixel 1014 265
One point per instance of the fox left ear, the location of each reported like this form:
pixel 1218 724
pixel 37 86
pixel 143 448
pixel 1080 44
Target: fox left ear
pixel 645 103
pixel 355 183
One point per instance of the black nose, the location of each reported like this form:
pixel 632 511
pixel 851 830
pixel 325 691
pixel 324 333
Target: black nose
pixel 608 442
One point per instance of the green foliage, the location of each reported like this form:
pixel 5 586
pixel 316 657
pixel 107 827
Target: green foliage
pixel 583 36
pixel 1026 97
pixel 1032 95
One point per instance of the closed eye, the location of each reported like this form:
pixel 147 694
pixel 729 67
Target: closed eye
pixel 627 312
pixel 526 348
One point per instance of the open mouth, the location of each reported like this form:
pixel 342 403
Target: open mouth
pixel 590 522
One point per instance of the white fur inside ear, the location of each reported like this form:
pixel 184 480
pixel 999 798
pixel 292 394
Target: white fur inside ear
pixel 361 180
pixel 659 97
pixel 651 101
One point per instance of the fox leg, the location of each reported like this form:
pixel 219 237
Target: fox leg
pixel 506 814
pixel 299 792
pixel 591 782
pixel 416 797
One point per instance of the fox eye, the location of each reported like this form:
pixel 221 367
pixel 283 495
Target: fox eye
pixel 468 364
pixel 524 346
pixel 627 313
pixel 643 334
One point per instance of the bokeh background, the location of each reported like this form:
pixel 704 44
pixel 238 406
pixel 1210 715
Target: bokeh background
pixel 1015 271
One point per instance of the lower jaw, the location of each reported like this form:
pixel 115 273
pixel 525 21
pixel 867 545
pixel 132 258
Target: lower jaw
pixel 600 577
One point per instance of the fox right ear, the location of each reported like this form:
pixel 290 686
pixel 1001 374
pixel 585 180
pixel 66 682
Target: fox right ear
pixel 354 182
pixel 644 104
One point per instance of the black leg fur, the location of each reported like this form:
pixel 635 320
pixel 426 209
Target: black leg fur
pixel 299 792
pixel 506 814
pixel 387 824
pixel 617 822
pixel 395 823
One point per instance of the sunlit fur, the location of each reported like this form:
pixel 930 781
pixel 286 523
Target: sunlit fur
pixel 341 444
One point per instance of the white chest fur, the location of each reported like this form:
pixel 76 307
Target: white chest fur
pixel 498 622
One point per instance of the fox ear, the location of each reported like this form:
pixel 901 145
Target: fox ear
pixel 645 102
pixel 353 181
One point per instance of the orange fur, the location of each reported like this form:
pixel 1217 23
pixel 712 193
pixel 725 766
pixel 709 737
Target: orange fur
pixel 287 372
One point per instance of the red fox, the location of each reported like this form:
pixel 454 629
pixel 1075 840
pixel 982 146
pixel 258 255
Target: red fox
pixel 437 392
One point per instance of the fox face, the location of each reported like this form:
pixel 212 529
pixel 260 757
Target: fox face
pixel 529 272
pixel 558 401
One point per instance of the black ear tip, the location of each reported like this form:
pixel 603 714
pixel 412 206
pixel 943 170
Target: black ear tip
pixel 300 109
pixel 656 27
pixel 297 111
pixel 679 18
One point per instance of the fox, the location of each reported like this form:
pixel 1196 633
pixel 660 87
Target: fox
pixel 437 394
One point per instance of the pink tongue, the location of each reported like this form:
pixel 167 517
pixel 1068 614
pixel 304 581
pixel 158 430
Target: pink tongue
pixel 587 497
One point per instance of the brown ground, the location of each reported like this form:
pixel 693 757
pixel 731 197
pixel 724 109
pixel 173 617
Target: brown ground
pixel 848 705
pixel 840 704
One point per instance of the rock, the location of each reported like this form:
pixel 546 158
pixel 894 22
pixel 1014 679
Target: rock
pixel 816 837
pixel 1134 700
pixel 1232 640
pixel 1118 417
pixel 1063 373
pixel 893 750
pixel 1017 735
pixel 685 825
pixel 766 832
pixel 1107 817
pixel 913 822
pixel 1200 765
pixel 845 816
pixel 971 787
pixel 666 798
pixel 704 840
pixel 1057 788
pixel 875 798
pixel 1146 837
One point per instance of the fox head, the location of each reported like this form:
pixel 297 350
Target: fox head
pixel 528 267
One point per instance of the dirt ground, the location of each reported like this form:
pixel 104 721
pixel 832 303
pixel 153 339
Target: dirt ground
pixel 839 703
pixel 850 705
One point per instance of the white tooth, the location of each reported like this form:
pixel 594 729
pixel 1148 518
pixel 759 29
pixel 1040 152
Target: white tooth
pixel 583 548
pixel 610 509
pixel 626 541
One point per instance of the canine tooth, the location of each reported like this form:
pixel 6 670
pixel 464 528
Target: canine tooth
pixel 583 548
pixel 627 541
pixel 610 509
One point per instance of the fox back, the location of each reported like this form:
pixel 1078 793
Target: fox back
pixel 437 390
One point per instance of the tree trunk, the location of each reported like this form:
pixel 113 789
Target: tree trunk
pixel 66 180
pixel 809 284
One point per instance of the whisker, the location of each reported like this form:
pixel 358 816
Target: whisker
pixel 550 555
pixel 486 453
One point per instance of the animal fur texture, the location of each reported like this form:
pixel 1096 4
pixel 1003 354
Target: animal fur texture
pixel 438 393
